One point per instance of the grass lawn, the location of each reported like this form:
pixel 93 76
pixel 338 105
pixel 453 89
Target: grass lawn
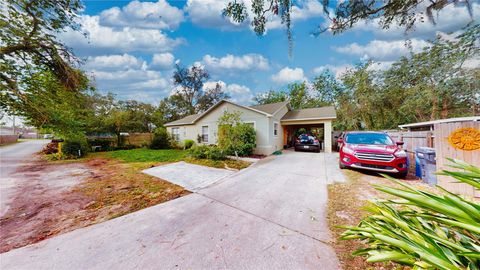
pixel 148 155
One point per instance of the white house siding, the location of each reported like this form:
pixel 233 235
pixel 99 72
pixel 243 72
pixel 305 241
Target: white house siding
pixel 277 141
pixel 261 124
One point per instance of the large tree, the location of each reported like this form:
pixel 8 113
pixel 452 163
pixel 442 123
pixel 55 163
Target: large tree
pixel 35 65
pixel 189 95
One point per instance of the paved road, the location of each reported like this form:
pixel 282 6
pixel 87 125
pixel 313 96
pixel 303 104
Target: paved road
pixel 269 216
pixel 13 157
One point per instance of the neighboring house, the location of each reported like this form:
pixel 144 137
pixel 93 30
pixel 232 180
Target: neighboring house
pixel 274 123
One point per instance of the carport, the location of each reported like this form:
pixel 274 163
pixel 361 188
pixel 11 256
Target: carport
pixel 318 120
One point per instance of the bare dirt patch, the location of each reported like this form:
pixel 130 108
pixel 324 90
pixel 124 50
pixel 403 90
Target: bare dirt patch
pixel 54 198
pixel 345 207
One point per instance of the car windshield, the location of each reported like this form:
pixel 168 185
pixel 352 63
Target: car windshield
pixel 305 137
pixel 368 138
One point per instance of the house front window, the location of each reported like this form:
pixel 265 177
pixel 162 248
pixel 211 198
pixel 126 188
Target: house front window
pixel 176 134
pixel 205 134
pixel 275 129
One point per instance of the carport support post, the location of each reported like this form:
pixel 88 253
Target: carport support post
pixel 327 136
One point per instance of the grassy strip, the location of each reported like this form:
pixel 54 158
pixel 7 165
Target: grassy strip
pixel 148 155
pixel 171 155
pixel 222 164
pixel 345 207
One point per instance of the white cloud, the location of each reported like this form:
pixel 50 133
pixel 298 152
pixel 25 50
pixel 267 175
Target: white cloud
pixel 208 13
pixel 240 94
pixel 337 70
pixel 128 77
pixel 449 19
pixel 155 15
pixel 162 61
pixel 114 62
pixel 288 75
pixel 232 62
pixel 102 39
pixel 307 9
pixel 384 50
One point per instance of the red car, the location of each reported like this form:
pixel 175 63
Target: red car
pixel 374 151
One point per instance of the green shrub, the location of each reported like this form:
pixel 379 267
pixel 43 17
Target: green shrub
pixel 207 152
pixel 234 136
pixel 161 139
pixel 199 151
pixel 75 147
pixel 422 229
pixel 215 153
pixel 187 144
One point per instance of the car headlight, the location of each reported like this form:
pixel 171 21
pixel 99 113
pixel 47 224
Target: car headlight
pixel 347 150
pixel 401 153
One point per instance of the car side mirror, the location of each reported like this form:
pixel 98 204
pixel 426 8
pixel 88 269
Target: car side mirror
pixel 400 143
pixel 340 140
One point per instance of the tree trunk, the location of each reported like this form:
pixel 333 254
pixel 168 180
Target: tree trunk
pixel 444 108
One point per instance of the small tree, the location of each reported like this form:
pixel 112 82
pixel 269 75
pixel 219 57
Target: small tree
pixel 161 139
pixel 234 136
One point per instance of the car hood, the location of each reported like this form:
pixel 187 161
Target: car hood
pixel 373 148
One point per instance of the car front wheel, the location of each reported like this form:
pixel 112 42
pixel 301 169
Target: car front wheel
pixel 341 166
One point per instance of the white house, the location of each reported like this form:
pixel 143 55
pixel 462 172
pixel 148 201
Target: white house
pixel 274 123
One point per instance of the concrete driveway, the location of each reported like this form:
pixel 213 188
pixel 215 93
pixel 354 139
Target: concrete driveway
pixel 269 216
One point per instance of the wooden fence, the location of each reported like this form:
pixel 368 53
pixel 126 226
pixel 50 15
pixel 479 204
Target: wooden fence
pixel 444 150
pixel 413 139
pixel 139 139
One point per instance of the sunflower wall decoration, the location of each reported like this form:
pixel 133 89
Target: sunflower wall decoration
pixel 465 139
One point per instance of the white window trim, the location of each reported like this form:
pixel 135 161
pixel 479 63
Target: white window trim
pixel 278 128
pixel 201 132
pixel 252 122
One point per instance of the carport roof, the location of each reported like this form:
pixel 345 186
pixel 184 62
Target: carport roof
pixel 320 113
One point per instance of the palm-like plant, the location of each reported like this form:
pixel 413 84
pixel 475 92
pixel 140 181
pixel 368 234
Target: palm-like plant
pixel 422 229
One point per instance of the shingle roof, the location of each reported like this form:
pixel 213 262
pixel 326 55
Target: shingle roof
pixel 270 108
pixel 187 120
pixel 313 113
pixel 191 119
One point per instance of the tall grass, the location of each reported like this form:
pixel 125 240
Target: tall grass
pixel 421 229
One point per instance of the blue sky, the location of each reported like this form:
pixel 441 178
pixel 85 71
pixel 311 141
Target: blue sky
pixel 132 46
